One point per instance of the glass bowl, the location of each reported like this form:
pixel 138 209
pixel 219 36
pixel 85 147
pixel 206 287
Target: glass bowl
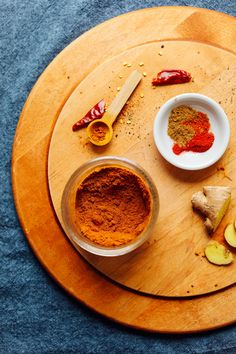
pixel 68 200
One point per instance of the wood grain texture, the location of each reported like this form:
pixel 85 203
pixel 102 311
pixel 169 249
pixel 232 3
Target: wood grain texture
pixel 167 264
pixel 29 170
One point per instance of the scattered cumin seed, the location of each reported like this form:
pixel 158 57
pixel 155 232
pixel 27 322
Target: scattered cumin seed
pixel 141 64
pixel 141 95
pixel 125 63
pixel 129 65
pixel 144 74
pixel 118 88
pixel 160 53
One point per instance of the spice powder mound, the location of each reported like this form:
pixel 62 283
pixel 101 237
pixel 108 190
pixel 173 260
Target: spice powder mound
pixel 190 130
pixel 112 206
pixel 177 129
pixel 99 131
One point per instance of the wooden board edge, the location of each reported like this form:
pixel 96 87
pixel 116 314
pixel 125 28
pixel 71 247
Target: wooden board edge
pixel 14 182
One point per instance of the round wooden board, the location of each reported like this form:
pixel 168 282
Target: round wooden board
pixel 167 265
pixel 30 149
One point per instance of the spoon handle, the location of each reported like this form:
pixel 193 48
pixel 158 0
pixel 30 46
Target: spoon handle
pixel 122 97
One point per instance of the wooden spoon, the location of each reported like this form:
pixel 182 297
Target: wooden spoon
pixel 100 131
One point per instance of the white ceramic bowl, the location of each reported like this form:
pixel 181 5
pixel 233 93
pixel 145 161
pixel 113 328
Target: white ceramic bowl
pixel 219 126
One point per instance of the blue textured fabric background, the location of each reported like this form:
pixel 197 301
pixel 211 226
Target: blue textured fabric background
pixel 36 315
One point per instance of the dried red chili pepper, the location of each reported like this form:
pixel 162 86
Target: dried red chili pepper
pixel 171 77
pixel 95 112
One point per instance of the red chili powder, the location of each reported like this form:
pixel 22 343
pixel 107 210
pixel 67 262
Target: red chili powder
pixel 202 139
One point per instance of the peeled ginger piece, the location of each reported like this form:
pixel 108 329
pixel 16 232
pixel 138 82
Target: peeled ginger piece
pixel 218 254
pixel 230 235
pixel 213 203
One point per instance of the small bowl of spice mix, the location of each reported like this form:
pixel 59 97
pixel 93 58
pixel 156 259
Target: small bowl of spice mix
pixel 109 206
pixel 191 131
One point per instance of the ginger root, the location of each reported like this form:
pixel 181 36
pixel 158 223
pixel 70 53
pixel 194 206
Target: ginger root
pixel 213 203
pixel 218 254
pixel 230 235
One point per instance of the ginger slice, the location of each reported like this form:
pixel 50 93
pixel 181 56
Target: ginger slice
pixel 213 203
pixel 230 235
pixel 218 254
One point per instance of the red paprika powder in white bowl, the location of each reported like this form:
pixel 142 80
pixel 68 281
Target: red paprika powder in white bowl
pixel 191 131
